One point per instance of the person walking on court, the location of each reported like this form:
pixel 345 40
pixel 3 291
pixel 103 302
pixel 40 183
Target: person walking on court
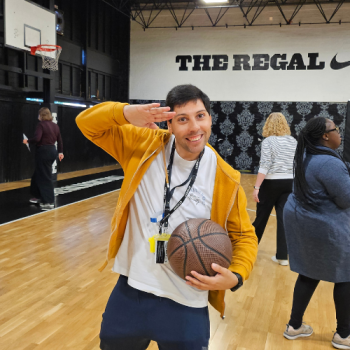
pixel 317 225
pixel 46 135
pixel 150 302
pixel 275 179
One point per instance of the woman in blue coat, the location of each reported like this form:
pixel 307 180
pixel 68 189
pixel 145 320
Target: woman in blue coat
pixel 317 226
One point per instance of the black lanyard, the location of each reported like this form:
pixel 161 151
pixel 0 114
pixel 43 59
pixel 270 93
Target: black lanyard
pixel 168 194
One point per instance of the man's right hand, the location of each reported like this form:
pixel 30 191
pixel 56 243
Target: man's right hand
pixel 146 116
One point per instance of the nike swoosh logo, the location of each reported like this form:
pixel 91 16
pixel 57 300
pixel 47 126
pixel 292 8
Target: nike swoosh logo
pixel 339 65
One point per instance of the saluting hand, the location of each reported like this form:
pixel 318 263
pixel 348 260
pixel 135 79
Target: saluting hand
pixel 146 116
pixel 224 279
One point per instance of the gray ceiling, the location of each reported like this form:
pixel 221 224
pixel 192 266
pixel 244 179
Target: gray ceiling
pixel 146 12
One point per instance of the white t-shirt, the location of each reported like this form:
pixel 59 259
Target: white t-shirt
pixel 277 156
pixel 134 258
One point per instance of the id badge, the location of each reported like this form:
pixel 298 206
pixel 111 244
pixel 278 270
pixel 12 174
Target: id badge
pixel 161 243
pixel 158 241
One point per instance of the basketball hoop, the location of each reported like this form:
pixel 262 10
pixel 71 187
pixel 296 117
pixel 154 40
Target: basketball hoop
pixel 49 54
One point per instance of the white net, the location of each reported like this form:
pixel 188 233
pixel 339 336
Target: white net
pixel 50 56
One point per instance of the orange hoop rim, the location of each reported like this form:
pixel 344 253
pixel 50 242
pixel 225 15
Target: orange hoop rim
pixel 46 48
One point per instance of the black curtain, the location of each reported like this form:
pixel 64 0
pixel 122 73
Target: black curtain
pixel 17 162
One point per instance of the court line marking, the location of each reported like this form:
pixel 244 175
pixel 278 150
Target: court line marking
pixel 43 212
pixel 255 211
pixel 66 205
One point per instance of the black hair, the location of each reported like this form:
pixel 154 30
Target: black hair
pixel 181 94
pixel 308 140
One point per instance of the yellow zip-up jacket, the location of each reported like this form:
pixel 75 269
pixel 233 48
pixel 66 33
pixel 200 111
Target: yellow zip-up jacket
pixel 135 149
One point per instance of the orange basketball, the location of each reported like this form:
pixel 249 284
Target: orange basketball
pixel 195 245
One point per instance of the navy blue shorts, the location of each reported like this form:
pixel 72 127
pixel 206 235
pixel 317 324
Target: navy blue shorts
pixel 133 318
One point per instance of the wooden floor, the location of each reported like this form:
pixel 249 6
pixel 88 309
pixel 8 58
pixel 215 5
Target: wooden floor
pixel 25 183
pixel 52 296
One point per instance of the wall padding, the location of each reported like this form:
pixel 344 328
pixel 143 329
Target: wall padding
pixel 237 126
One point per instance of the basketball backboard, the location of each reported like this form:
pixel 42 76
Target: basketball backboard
pixel 28 24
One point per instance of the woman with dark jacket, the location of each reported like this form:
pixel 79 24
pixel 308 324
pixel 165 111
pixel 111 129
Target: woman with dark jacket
pixel 46 135
pixel 317 226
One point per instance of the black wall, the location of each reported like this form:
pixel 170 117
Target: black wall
pixel 15 119
pixel 17 162
pixel 93 67
pixel 79 152
pixel 346 154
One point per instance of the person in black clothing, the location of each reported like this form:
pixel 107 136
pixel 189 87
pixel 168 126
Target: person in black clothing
pixel 46 135
pixel 275 180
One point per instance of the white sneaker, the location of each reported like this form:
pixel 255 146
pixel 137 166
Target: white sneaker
pixel 341 343
pixel 34 200
pixel 47 206
pixel 304 331
pixel 281 262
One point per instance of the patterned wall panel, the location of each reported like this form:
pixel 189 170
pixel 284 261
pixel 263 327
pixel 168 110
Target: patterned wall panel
pixel 237 126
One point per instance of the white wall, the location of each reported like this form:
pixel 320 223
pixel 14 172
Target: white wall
pixel 154 71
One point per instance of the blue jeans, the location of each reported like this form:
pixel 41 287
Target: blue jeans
pixel 133 318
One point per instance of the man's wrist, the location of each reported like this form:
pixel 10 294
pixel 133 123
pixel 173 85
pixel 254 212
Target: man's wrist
pixel 239 284
pixel 125 112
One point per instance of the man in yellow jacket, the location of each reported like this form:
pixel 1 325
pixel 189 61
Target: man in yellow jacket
pixel 150 302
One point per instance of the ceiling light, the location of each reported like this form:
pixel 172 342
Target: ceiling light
pixel 214 1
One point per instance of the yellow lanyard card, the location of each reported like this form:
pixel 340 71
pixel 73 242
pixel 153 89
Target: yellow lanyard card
pixel 158 237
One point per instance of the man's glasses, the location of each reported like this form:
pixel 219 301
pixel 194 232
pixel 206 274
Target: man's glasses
pixel 335 129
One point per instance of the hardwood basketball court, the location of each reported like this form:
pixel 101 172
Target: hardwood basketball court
pixel 52 295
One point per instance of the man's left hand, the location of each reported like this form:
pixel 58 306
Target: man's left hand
pixel 224 279
pixel 25 141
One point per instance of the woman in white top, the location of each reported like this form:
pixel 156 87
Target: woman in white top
pixel 275 179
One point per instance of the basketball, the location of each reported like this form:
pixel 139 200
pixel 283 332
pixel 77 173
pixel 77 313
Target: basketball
pixel 195 245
